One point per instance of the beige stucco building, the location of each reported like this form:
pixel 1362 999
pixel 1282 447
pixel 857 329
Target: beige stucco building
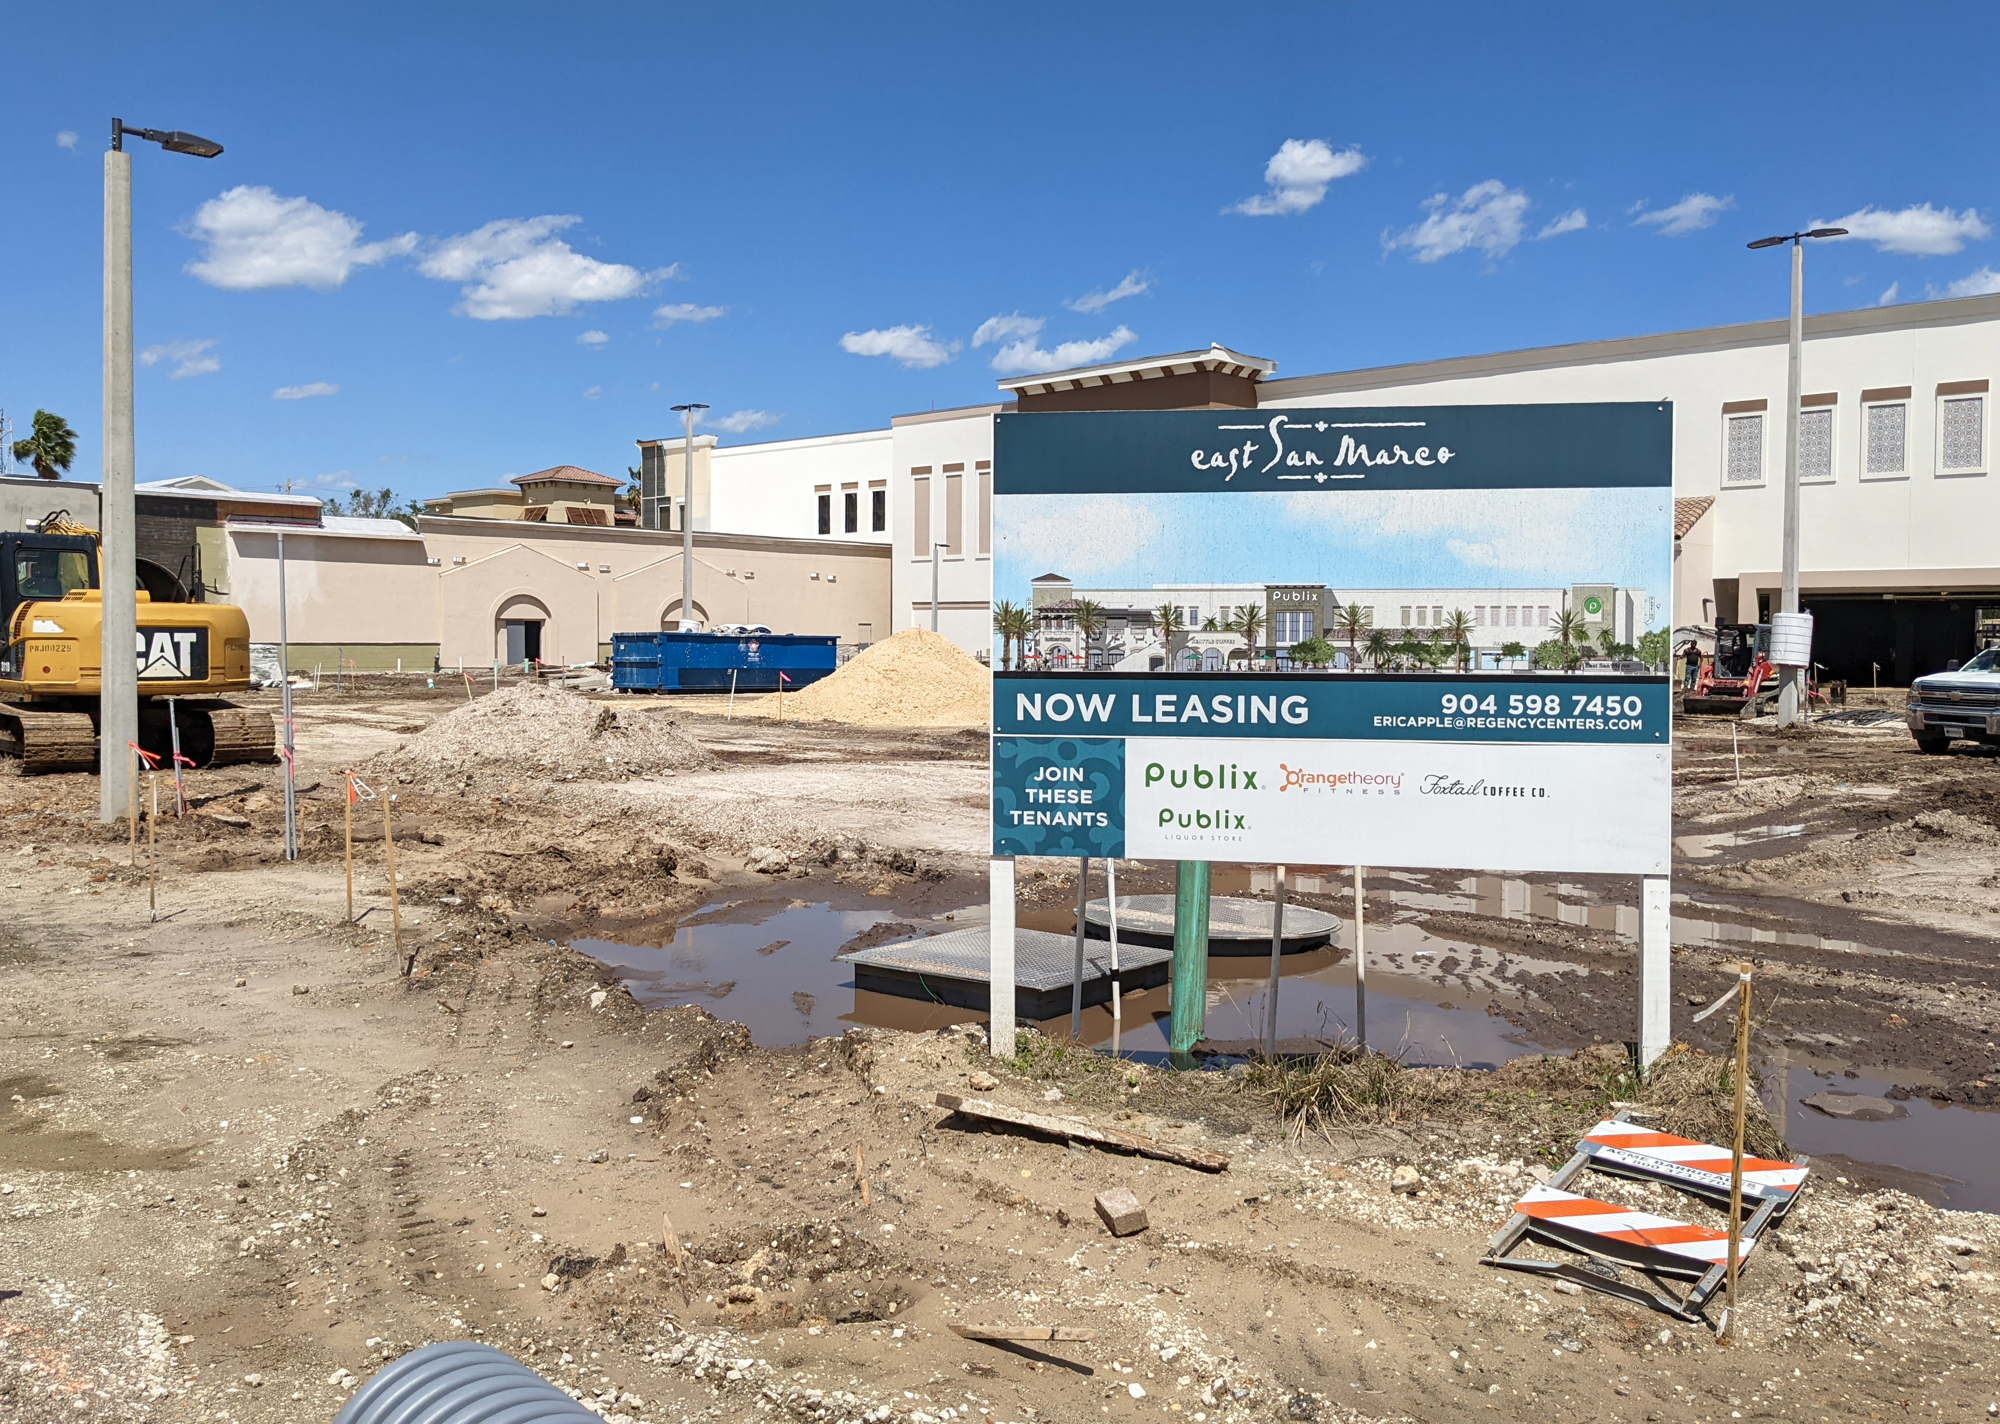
pixel 379 595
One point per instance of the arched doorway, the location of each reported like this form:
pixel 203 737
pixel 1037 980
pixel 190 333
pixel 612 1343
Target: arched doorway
pixel 523 632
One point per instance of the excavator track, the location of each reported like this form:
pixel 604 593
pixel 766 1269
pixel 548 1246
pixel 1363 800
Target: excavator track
pixel 212 733
pixel 240 733
pixel 48 741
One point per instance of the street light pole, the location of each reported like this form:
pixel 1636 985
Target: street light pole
pixel 118 612
pixel 687 519
pixel 1791 678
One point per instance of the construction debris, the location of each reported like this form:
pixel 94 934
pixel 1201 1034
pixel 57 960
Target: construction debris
pixel 1074 1130
pixel 1023 1332
pixel 529 730
pixel 1121 1211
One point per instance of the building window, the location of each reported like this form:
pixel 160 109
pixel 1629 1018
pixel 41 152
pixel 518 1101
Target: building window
pixel 1513 615
pixel 826 514
pixel 851 511
pixel 879 510
pixel 1962 434
pixel 1294 625
pixel 1542 621
pixel 1479 615
pixel 954 511
pixel 1743 456
pixel 1406 615
pixel 985 472
pixel 1816 443
pixel 920 524
pixel 1437 618
pixel 1885 432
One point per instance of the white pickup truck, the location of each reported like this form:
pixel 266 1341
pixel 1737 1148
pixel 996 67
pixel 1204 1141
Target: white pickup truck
pixel 1963 703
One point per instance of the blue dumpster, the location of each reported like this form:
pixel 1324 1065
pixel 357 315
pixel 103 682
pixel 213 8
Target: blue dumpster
pixel 713 662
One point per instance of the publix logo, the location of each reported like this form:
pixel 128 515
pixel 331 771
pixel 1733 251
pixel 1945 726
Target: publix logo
pixel 1203 814
pixel 1593 605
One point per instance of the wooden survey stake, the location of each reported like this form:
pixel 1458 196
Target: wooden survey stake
pixel 347 809
pixel 389 844
pixel 1742 1075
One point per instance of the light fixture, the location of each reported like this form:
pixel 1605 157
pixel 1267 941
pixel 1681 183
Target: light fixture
pixel 172 140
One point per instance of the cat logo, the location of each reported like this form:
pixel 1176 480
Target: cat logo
pixel 173 654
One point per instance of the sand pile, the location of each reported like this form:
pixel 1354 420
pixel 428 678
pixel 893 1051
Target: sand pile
pixel 534 730
pixel 916 678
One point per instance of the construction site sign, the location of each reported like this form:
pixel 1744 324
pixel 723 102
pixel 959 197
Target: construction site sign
pixel 1424 637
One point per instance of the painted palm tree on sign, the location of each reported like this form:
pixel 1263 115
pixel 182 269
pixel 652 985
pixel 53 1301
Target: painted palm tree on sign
pixel 1569 628
pixel 1379 646
pixel 1010 621
pixel 1248 620
pixel 1351 622
pixel 1458 633
pixel 1169 620
pixel 1090 622
pixel 50 446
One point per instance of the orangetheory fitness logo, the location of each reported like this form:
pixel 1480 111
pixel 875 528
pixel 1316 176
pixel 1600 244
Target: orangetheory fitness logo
pixel 1363 783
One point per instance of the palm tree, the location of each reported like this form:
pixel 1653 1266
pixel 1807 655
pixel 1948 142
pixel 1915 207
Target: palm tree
pixel 1089 620
pixel 1379 647
pixel 1170 620
pixel 1457 631
pixel 1006 622
pixel 1569 628
pixel 1351 622
pixel 1249 621
pixel 1209 625
pixel 50 448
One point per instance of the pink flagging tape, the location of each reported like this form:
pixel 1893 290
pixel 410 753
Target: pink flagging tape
pixel 1667 1158
pixel 1587 1216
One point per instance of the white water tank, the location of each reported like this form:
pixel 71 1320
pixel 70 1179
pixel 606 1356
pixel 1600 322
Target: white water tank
pixel 1791 639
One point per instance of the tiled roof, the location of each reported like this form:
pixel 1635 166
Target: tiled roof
pixel 1688 512
pixel 571 474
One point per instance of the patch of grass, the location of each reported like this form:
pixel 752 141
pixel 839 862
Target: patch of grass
pixel 1557 1099
pixel 1045 1059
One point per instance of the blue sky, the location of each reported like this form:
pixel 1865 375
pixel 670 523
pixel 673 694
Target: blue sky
pixel 1347 539
pixel 449 243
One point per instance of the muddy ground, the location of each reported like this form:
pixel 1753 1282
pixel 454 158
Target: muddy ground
pixel 249 1151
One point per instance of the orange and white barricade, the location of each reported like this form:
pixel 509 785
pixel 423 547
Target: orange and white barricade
pixel 1613 1240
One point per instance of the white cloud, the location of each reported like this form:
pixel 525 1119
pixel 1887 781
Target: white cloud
pixel 741 422
pixel 306 391
pixel 686 311
pixel 1136 284
pixel 1889 296
pixel 1530 531
pixel 1983 283
pixel 1007 328
pixel 911 345
pixel 256 239
pixel 1022 358
pixel 1919 230
pixel 591 338
pixel 1298 175
pixel 1575 220
pixel 592 392
pixel 335 480
pixel 1486 216
pixel 517 267
pixel 192 358
pixel 1691 214
pixel 66 139
pixel 1080 534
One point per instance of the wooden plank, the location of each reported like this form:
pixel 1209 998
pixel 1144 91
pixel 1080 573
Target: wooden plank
pixel 1023 1332
pixel 1074 1128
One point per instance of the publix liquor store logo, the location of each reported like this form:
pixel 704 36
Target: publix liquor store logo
pixel 1202 798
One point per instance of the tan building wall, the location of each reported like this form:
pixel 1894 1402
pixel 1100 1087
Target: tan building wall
pixel 449 589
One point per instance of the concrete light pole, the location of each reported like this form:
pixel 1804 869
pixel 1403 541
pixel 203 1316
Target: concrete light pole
pixel 1792 678
pixel 687 520
pixel 118 688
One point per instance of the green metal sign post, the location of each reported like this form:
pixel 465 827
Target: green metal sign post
pixel 1190 982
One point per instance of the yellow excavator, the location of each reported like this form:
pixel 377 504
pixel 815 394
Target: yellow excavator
pixel 188 655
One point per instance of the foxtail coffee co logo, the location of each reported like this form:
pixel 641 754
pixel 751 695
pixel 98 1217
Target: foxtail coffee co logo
pixel 1437 783
pixel 1301 461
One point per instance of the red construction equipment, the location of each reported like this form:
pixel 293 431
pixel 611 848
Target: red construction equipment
pixel 1740 675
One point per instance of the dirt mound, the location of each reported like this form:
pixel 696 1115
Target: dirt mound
pixel 532 730
pixel 916 678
